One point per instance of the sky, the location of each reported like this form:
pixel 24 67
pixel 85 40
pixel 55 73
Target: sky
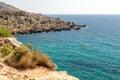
pixel 67 6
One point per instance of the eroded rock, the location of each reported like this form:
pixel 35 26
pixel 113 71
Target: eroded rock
pixel 11 41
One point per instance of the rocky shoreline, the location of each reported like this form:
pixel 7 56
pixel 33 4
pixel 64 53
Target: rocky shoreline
pixel 24 22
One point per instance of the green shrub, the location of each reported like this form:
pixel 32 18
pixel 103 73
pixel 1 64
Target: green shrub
pixel 5 50
pixel 4 32
pixel 28 45
pixel 15 57
pixel 2 16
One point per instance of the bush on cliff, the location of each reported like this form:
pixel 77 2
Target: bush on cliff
pixel 14 58
pixel 22 58
pixel 43 60
pixel 4 32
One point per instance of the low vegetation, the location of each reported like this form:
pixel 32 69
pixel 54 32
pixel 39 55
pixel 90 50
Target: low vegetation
pixel 23 58
pixel 5 50
pixel 4 32
pixel 41 59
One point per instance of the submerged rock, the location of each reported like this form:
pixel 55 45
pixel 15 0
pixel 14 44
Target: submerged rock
pixel 77 27
pixel 82 25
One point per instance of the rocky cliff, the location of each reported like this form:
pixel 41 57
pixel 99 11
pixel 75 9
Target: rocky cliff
pixel 37 73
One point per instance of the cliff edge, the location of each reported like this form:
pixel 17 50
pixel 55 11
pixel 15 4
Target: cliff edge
pixel 18 62
pixel 37 73
pixel 40 73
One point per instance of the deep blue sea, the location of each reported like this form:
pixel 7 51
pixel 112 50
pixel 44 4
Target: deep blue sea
pixel 89 54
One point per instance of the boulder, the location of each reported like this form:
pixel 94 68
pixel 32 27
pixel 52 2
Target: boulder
pixel 43 21
pixel 21 20
pixel 77 27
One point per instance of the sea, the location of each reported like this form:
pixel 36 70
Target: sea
pixel 92 53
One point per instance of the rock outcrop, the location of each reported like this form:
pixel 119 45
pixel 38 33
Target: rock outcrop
pixel 10 41
pixel 9 73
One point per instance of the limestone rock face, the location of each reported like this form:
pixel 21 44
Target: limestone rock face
pixel 9 73
pixel 11 41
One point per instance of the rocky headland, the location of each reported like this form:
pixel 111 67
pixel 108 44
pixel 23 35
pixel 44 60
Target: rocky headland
pixel 19 21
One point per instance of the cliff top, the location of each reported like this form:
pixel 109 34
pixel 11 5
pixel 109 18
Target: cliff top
pixel 39 73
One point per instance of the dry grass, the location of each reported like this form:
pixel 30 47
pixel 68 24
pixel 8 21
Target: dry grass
pixel 26 62
pixel 43 60
pixel 22 58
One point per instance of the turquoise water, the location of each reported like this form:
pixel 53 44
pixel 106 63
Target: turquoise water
pixel 89 54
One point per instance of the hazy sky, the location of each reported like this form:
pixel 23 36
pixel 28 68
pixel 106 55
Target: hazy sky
pixel 68 6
